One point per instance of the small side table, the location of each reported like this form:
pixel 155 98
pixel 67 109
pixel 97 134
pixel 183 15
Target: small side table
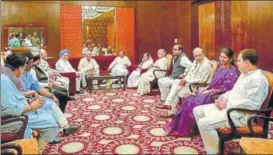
pixel 106 77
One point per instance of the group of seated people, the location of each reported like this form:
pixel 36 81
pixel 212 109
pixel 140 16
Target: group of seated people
pixel 23 94
pixel 89 66
pixel 206 108
pixel 97 50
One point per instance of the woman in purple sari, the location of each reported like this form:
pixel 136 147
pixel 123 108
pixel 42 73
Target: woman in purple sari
pixel 222 81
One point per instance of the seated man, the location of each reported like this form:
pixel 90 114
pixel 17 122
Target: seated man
pixel 13 103
pixel 53 86
pixel 120 64
pixel 51 73
pixel 249 92
pixel 89 66
pixel 200 71
pixel 181 65
pixel 31 88
pixel 64 66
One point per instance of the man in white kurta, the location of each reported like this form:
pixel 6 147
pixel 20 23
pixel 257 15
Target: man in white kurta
pixel 181 65
pixel 249 92
pixel 200 71
pixel 88 65
pixel 119 65
pixel 51 73
pixel 64 66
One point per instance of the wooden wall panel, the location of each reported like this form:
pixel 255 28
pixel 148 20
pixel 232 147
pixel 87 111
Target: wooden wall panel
pixel 147 30
pixel 252 23
pixel 25 13
pixel 168 27
pixel 184 24
pixel 125 31
pixel 206 13
pixel 194 27
pixel 260 31
pixel 239 14
pixel 71 29
pixel 159 23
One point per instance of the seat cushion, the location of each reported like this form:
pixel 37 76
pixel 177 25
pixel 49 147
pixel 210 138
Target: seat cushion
pixel 28 145
pixel 8 137
pixel 256 145
pixel 242 129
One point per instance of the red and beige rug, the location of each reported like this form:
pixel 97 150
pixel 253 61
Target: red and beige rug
pixel 120 122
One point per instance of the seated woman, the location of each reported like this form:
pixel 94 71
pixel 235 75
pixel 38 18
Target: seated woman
pixel 222 81
pixel 145 79
pixel 14 103
pixel 147 62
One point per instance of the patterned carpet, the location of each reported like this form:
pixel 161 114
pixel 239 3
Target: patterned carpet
pixel 120 122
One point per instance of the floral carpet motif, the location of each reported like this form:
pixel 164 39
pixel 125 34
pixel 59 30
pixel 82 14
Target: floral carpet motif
pixel 121 122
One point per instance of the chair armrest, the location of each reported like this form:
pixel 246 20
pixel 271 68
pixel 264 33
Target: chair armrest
pixel 8 119
pixel 197 85
pixel 159 70
pixel 18 132
pixel 70 75
pixel 143 71
pixel 132 68
pixel 231 123
pixel 251 119
pixel 7 146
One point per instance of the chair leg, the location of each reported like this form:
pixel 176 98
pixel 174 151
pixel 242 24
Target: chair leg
pixel 221 147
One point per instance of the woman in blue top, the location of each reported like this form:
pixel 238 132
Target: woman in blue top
pixel 14 103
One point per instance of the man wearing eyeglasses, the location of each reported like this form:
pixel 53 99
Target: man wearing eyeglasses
pixel 180 67
pixel 249 92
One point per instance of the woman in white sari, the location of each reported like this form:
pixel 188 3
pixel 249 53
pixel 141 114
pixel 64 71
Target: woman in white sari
pixel 147 62
pixel 145 79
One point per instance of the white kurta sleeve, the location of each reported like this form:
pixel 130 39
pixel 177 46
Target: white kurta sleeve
pixel 96 66
pixel 185 62
pixel 256 93
pixel 71 69
pixel 226 94
pixel 205 74
pixel 163 64
pixel 59 66
pixel 81 65
pixel 113 63
pixel 128 61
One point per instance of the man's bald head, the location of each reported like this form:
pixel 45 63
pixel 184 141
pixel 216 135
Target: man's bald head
pixel 198 54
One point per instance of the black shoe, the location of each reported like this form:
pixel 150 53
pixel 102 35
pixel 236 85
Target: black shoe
pixel 71 129
pixel 70 98
pixel 56 141
pixel 80 92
